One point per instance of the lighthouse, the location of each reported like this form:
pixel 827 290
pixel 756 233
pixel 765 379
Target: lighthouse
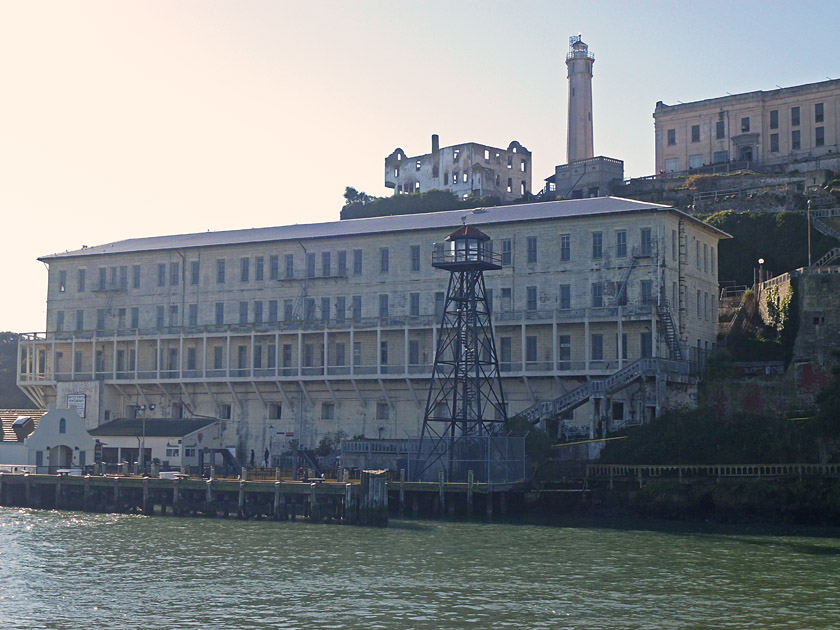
pixel 579 62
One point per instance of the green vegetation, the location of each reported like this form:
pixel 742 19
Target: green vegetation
pixel 360 205
pixel 781 239
pixel 10 396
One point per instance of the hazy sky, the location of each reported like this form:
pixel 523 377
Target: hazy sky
pixel 123 119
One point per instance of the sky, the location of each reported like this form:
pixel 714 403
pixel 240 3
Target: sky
pixel 124 119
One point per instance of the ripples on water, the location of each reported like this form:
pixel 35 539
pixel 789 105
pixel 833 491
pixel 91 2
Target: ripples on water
pixel 74 571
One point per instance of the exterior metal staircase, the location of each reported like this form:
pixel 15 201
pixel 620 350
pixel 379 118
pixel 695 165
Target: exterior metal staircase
pixel 668 330
pixel 824 228
pixel 620 295
pixel 829 256
pixel 591 389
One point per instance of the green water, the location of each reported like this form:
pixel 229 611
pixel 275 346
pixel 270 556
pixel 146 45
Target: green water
pixel 73 570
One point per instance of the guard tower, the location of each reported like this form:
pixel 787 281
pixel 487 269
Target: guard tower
pixel 466 404
pixel 579 61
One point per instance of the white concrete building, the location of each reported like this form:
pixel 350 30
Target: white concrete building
pixel 464 169
pixel 295 332
pixel 771 127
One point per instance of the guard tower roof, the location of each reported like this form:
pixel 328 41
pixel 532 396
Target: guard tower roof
pixel 468 231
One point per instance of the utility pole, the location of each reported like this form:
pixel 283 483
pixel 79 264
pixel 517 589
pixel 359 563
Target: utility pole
pixel 809 233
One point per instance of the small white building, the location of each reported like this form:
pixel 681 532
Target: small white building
pixel 173 442
pixel 59 441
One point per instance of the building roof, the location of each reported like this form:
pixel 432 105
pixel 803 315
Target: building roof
pixel 9 416
pixel 448 220
pixel 732 99
pixel 155 427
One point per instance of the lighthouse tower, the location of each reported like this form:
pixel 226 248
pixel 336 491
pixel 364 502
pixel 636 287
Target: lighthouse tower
pixel 579 61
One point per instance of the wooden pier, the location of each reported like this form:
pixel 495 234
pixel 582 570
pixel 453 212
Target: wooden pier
pixel 358 503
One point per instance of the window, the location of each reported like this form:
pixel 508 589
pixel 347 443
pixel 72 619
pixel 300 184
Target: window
pixel 507 251
pixel 275 411
pixel 505 353
pixel 699 305
pixel 819 136
pixel 273 267
pixel 647 291
pixel 597 295
pixel 259 268
pixel 103 278
pixel 194 272
pixel 59 324
pixel 135 274
pixel 532 249
pixel 507 299
pixel 597 244
pixel 672 165
pixel 342 263
pixel 720 130
pixel 413 352
pixel 384 259
pixel 383 411
pixel 272 311
pixel 565 301
pixel 225 412
pixel 510 161
pixel 818 112
pixel 719 157
pixel 159 314
pixel 308 354
pixel 100 319
pixel 597 347
pixel 510 184
pixel 220 271
pixel 174 272
pixel 531 298
pixel 220 313
pixel 417 166
pixel 745 124
pixel 531 348
pixel 243 312
pixel 414 304
pixel 288 310
pixel 258 312
pixel 383 353
pixel 697 253
pixel 325 308
pixel 712 260
pixel 328 409
pixel 62 281
pixel 415 258
pixel 357 353
pixel 356 306
pixel 794 116
pixel 340 358
pixel 673 244
pixel 310 265
pixel 774 143
pixel 565 247
pixel 357 261
pixel 173 315
pixel 80 320
pixel 290 265
pixel 340 308
pixel 135 317
pixel 309 309
pixel 440 303
pixel 161 275
pixel 795 140
pixel 774 119
pixel 647 242
pixel 62 425
pixel 326 264
pixel 564 351
pixel 672 137
pixel 522 187
pixel 191 355
pixel 193 315
pixel 695 133
pixel 695 161
pixel 287 355
pixel 523 165
pixel 621 243
pixel 706 257
pixel 383 305
pixel 218 358
pixel 81 284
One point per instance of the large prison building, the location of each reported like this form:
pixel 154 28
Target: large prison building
pixel 301 331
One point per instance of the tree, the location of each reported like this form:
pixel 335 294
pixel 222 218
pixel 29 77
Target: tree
pixel 10 396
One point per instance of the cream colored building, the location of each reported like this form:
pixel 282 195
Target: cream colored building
pixel 295 332
pixel 770 128
pixel 465 169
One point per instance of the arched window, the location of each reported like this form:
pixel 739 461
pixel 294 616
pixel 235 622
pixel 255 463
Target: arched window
pixel 62 426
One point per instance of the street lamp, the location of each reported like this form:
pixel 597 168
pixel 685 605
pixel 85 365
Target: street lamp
pixel 761 270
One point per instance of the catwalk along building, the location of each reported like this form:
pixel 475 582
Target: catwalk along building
pixel 301 331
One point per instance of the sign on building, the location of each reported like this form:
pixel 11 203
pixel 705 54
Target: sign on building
pixel 77 402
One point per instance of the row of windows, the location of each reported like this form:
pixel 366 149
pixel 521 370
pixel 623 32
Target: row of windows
pixel 340 309
pixel 414 187
pixel 720 125
pixel 331 263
